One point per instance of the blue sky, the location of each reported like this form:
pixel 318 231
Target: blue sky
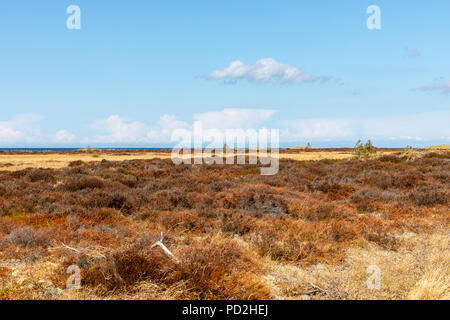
pixel 136 70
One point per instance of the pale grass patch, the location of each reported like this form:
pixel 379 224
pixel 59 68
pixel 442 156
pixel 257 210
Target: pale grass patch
pixel 13 162
pixel 60 160
pixel 29 280
pixel 440 147
pixel 433 285
pixel 145 290
pixel 420 271
pixel 435 280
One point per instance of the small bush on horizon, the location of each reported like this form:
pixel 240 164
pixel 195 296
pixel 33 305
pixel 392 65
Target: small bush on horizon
pixel 365 150
pixel 308 147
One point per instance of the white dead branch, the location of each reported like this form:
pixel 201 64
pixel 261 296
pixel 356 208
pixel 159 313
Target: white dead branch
pixel 160 244
pixel 87 251
pixel 93 251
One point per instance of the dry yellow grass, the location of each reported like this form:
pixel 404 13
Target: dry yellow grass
pixel 440 147
pixel 13 162
pixel 420 271
pixel 317 155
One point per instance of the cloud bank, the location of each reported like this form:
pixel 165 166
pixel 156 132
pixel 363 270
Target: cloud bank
pixel 118 131
pixel 234 118
pixel 115 129
pixel 264 70
pixel 418 127
pixel 20 128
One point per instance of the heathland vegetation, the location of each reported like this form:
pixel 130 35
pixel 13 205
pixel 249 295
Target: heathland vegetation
pixel 309 232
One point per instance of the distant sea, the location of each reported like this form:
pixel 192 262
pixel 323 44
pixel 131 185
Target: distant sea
pixel 75 149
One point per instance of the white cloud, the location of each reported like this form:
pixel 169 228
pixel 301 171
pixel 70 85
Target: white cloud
pixel 163 132
pixel 63 136
pixel 263 70
pixel 417 127
pixel 420 127
pixel 168 123
pixel 115 129
pixel 443 87
pixel 318 128
pixel 234 118
pixel 21 128
pixel 8 135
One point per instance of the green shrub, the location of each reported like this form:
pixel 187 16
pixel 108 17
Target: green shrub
pixel 364 150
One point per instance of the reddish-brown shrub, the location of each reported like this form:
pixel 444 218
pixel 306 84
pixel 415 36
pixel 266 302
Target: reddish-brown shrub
pixel 365 200
pixel 170 199
pixel 76 163
pixel 260 200
pixel 118 200
pixel 211 268
pixel 3 191
pixel 325 211
pixel 235 222
pixel 27 237
pixel 390 158
pixel 80 183
pixel 429 197
pixel 408 180
pixel 125 268
pixel 336 191
pixel 341 231
pixel 45 175
pixel 383 239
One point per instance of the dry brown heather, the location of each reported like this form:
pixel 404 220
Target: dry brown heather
pixel 309 232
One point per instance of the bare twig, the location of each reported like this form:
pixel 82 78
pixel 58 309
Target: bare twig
pixel 70 248
pixel 160 244
pixel 81 251
pixel 315 289
pixel 306 293
pixel 318 288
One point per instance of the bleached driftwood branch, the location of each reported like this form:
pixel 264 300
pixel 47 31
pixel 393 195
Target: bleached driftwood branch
pixel 95 254
pixel 85 251
pixel 160 244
